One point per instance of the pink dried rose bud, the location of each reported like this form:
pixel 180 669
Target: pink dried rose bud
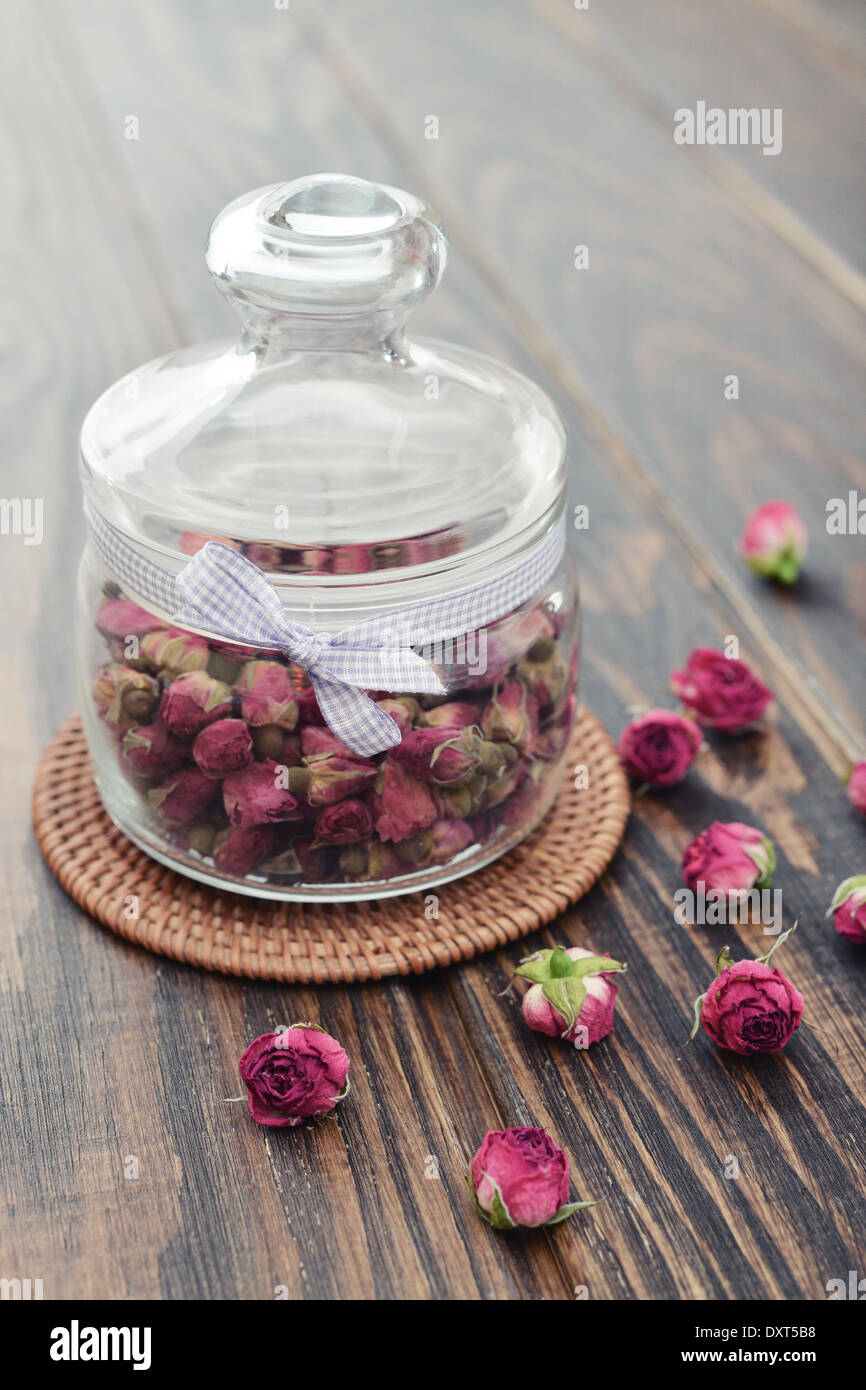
pixel 750 1005
pixel 120 618
pixel 659 747
pixel 519 1177
pixel 344 822
pixel 267 694
pixel 857 787
pixel 553 737
pixel 192 701
pixel 316 740
pixel 151 751
pixel 294 1075
pixel 456 803
pixel 455 714
pixel 334 776
pixel 173 649
pixel 308 706
pixel 446 756
pixel 401 803
pixel 572 994
pixel 543 672
pixel 258 795
pixel 729 857
pixel 239 851
pixel 183 795
pixel 512 716
pixel 222 747
pixel 848 909
pixel 271 741
pixel 401 711
pixel 124 697
pixel 719 691
pixel 448 839
pixel 774 542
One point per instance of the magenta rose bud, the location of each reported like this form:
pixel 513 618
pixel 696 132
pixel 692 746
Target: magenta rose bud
pixel 267 694
pixel 449 838
pixel 334 776
pixel 857 787
pixel 572 994
pixel 511 716
pixel 192 701
pixel 520 1178
pixel 848 909
pixel 400 711
pixel 446 756
pixel 774 542
pixel 294 1075
pixel 729 857
pixel 238 852
pixel 183 795
pixel 344 822
pixel 152 751
pixel 223 747
pixel 308 706
pixel 719 691
pixel 173 649
pixel 257 795
pixel 659 747
pixel 750 1005
pixel 401 803
pixel 455 714
pixel 120 618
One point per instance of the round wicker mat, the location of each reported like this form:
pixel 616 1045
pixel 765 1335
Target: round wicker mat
pixel 314 943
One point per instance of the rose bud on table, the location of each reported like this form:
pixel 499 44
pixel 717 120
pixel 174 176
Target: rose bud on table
pixel 774 541
pixel 173 649
pixel 511 716
pixel 192 701
pixel 267 694
pixel 294 1075
pixel 238 851
pixel 720 692
pixel 857 787
pixel 572 994
pixel 848 909
pixel 519 1177
pixel 223 747
pixel 729 857
pixel 401 803
pixel 152 751
pixel 183 795
pixel 256 795
pixel 750 1006
pixel 124 697
pixel 659 747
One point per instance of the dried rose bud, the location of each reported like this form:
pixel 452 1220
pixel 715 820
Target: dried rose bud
pixel 201 838
pixel 192 701
pixel 308 706
pixel 334 776
pixel 353 861
pixel 316 739
pixel 659 747
pixel 857 787
pixel 499 788
pixel 511 716
pixel 519 1177
pixel 454 714
pixel 173 649
pixel 183 795
pixel 546 677
pixel 399 712
pixel 775 541
pixel 124 697
pixel 222 747
pixel 151 751
pixel 449 838
pixel 720 692
pixel 257 796
pixel 572 994
pixel 238 851
pixel 524 802
pixel 294 1075
pixel 120 618
pixel 446 756
pixel 750 1006
pixel 382 862
pixel 455 803
pixel 401 804
pixel 416 850
pixel 729 857
pixel 344 822
pixel 267 694
pixel 553 738
pixel 848 909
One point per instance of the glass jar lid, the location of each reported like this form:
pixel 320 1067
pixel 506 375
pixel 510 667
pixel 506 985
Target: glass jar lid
pixel 323 442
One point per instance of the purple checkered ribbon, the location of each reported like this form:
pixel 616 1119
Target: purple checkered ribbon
pixel 221 592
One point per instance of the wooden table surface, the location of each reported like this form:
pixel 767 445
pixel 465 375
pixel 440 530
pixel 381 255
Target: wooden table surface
pixel 555 130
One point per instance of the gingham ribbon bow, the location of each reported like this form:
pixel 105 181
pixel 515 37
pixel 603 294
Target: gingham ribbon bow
pixel 219 591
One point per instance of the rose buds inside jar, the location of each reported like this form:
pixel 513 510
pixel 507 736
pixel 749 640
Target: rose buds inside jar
pixel 750 1006
pixel 372 688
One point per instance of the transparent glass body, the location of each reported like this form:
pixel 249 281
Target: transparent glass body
pixel 361 472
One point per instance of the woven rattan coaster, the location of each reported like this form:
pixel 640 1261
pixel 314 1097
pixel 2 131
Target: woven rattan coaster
pixel 301 942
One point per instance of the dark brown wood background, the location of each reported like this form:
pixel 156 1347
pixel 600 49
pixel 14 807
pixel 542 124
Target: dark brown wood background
pixel 555 129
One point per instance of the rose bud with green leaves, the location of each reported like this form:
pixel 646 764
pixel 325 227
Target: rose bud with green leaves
pixel 174 649
pixel 447 756
pixel 519 1177
pixel 848 909
pixel 774 541
pixel 857 787
pixel 720 692
pixel 729 857
pixel 511 716
pixel 124 697
pixel 294 1075
pixel 267 694
pixel 192 701
pixel 571 995
pixel 750 1006
pixel 330 777
pixel 659 747
pixel 401 803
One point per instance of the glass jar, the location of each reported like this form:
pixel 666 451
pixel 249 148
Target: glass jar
pixel 386 493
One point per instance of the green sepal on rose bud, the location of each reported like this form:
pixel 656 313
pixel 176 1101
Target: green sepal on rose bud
pixel 499 1217
pixel 763 856
pixel 724 961
pixel 562 979
pixel 855 886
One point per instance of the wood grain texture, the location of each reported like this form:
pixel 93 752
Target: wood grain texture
pixel 103 255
